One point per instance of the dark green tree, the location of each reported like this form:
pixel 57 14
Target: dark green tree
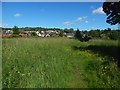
pixel 114 35
pixel 33 34
pixel 112 10
pixel 15 30
pixel 78 35
pixel 95 33
pixel 61 33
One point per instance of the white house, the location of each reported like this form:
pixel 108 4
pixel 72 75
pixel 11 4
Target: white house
pixel 40 34
pixel 9 32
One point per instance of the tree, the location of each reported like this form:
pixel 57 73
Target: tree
pixel 112 10
pixel 86 38
pixel 81 36
pixel 95 33
pixel 33 34
pixel 78 35
pixel 15 30
pixel 61 33
pixel 114 35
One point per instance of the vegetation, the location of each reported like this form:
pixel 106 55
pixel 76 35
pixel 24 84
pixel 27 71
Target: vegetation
pixel 33 34
pixel 59 63
pixel 112 10
pixel 15 30
pixel 82 37
pixel 79 34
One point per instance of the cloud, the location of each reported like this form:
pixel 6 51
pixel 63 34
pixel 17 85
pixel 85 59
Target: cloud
pixel 86 21
pixel 78 19
pixel 67 23
pixel 17 15
pixel 4 25
pixel 98 11
pixel 93 27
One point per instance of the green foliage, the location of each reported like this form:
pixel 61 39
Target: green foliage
pixel 69 30
pixel 15 30
pixel 33 34
pixel 112 10
pixel 114 35
pixel 92 34
pixel 61 34
pixel 104 37
pixel 95 33
pixel 53 63
pixel 78 35
pixel 82 37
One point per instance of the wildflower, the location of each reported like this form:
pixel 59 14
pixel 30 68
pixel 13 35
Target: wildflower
pixel 22 74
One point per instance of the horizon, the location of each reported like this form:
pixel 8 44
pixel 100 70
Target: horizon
pixel 55 15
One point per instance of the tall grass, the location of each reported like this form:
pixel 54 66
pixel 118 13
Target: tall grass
pixel 54 63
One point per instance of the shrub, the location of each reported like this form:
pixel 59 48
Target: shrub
pixel 33 34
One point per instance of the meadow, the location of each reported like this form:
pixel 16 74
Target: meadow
pixel 59 63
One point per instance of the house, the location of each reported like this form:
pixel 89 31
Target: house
pixel 52 33
pixel 7 33
pixel 24 34
pixel 47 35
pixel 68 35
pixel 41 33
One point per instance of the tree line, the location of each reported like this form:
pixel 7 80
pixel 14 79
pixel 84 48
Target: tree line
pixel 98 34
pixel 82 35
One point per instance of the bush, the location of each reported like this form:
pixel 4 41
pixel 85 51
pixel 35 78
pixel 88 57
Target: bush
pixel 85 38
pixel 114 35
pixel 33 34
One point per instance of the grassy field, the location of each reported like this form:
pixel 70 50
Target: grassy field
pixel 59 63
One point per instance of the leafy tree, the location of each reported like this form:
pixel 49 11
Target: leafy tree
pixel 15 30
pixel 114 35
pixel 86 38
pixel 112 10
pixel 61 33
pixel 95 33
pixel 33 34
pixel 78 35
pixel 68 30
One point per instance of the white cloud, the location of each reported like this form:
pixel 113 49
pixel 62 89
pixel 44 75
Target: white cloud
pixel 78 19
pixel 93 27
pixel 4 25
pixel 17 15
pixel 67 23
pixel 86 21
pixel 98 11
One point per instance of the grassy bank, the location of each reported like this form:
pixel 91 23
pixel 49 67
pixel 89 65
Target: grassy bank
pixel 59 63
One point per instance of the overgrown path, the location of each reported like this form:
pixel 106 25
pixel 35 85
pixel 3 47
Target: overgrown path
pixel 56 62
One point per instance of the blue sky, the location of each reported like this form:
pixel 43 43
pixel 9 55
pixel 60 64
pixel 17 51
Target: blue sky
pixel 82 15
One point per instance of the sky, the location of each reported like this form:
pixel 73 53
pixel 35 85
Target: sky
pixel 81 15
